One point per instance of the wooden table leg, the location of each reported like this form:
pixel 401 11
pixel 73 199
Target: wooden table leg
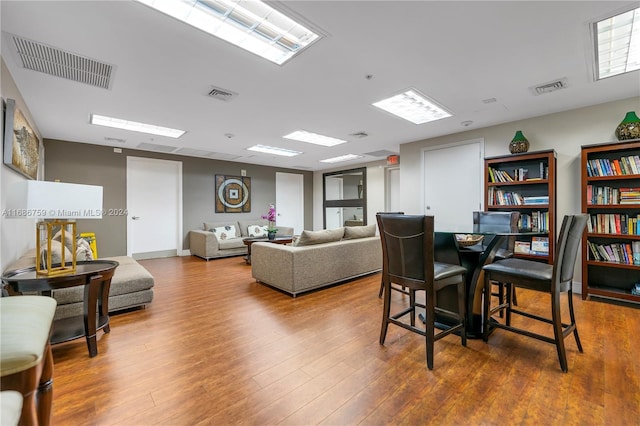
pixel 45 389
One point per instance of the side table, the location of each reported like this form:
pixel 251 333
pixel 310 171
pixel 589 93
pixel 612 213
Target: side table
pixel 94 275
pixel 276 240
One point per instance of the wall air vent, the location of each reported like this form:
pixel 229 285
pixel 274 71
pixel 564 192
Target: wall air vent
pixel 549 87
pixel 223 95
pixel 53 61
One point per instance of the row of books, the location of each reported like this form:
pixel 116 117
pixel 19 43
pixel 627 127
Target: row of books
pixel 614 223
pixel 519 174
pixel 608 195
pixel 537 245
pixel 537 221
pixel 625 253
pixel 629 165
pixel 500 197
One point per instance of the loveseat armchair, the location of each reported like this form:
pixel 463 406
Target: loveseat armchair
pixel 224 239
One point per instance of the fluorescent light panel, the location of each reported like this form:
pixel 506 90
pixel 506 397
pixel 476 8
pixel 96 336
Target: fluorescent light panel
pixel 413 106
pixel 618 44
pixel 341 158
pixel 134 126
pixel 314 138
pixel 274 150
pixel 250 25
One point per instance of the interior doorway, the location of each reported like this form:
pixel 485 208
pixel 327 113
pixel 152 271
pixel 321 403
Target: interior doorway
pixel 154 204
pixel 453 184
pixel 290 201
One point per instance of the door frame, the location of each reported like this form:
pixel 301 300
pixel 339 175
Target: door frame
pixel 479 141
pixel 179 206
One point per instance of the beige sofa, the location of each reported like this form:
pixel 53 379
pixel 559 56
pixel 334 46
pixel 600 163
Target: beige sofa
pixel 131 286
pixel 301 268
pixel 228 238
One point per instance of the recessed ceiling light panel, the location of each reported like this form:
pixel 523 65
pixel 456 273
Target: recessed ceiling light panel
pixel 274 150
pixel 314 138
pixel 341 158
pixel 251 25
pixel 617 44
pixel 134 126
pixel 413 106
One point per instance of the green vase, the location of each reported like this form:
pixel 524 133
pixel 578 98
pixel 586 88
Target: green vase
pixel 519 143
pixel 629 128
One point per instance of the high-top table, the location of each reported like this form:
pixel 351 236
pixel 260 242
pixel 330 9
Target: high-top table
pixel 472 258
pixel 94 275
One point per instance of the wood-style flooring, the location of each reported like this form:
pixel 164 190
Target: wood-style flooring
pixel 216 348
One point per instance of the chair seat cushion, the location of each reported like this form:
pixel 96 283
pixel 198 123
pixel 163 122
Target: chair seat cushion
pixel 529 274
pixel 25 323
pixel 446 274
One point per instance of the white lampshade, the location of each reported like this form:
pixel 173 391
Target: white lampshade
pixel 38 199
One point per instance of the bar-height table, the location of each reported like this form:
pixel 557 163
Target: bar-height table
pixel 473 259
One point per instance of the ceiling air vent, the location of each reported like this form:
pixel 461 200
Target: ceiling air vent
pixel 549 87
pixel 359 135
pixel 53 61
pixel 223 95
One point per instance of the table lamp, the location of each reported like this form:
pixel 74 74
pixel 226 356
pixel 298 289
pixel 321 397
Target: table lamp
pixel 56 206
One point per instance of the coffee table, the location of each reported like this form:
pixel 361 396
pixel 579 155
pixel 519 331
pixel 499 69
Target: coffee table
pixel 276 240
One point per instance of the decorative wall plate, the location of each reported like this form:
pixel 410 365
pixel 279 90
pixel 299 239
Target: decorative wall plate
pixel 233 194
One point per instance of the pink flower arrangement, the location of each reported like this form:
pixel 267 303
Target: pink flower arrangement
pixel 271 217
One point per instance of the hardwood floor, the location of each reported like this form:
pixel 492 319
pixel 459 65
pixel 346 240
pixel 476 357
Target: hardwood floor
pixel 215 347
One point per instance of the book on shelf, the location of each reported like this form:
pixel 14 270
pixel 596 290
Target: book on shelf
pixel 623 253
pixel 536 200
pixel 540 245
pixel 523 247
pixel 626 165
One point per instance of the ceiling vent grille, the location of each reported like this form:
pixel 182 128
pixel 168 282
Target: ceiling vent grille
pixel 53 61
pixel 549 87
pixel 155 147
pixel 359 135
pixel 381 153
pixel 223 95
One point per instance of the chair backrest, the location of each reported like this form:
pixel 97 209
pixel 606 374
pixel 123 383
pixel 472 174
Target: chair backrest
pixel 407 248
pixel 495 221
pixel 567 248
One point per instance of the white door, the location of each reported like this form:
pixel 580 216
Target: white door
pixel 154 204
pixel 453 184
pixel 392 190
pixel 290 201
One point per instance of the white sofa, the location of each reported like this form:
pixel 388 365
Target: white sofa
pixel 345 254
pixel 208 245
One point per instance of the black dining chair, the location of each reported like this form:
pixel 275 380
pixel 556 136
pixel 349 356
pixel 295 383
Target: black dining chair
pixel 499 222
pixel 401 290
pixel 553 279
pixel 408 260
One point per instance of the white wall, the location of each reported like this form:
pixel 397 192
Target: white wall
pixel 565 132
pixel 18 235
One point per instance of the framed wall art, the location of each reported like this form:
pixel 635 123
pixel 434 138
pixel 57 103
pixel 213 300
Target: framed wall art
pixel 21 143
pixel 233 194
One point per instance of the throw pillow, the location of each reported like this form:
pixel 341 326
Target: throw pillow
pixel 56 253
pixel 257 230
pixel 353 232
pixel 309 238
pixel 83 251
pixel 68 239
pixel 224 232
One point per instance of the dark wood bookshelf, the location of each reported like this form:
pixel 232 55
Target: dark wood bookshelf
pixel 604 278
pixel 540 181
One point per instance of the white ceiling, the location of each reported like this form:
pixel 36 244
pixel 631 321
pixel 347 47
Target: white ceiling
pixel 458 53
